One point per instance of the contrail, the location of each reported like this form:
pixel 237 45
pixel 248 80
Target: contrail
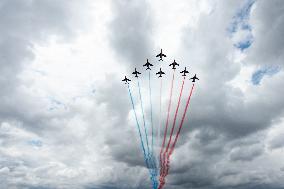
pixel 167 122
pixel 152 176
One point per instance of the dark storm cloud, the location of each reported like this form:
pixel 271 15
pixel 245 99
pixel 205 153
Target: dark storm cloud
pixel 131 31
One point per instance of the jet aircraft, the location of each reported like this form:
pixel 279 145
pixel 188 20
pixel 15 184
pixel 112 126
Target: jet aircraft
pixel 136 73
pixel 184 72
pixel 161 55
pixel 160 73
pixel 148 64
pixel 174 64
pixel 194 78
pixel 126 80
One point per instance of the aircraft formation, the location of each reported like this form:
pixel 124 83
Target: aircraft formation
pixel 160 73
pixel 157 154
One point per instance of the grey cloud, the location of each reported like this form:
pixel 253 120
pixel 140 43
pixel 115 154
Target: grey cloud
pixel 268 28
pixel 216 103
pixel 221 128
pixel 247 153
pixel 131 30
pixel 219 112
pixel 118 107
pixel 24 23
pixel 277 142
pixel 109 93
pixel 223 125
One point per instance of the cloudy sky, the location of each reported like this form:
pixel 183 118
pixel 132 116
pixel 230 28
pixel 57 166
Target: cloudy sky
pixel 66 120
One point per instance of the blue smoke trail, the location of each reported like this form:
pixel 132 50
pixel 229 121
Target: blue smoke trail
pixel 151 164
pixel 153 178
pixel 138 126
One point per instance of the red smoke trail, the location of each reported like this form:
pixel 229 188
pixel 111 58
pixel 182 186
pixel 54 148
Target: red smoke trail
pixel 167 122
pixel 167 160
pixel 182 120
pixel 174 123
pixel 175 118
pixel 162 178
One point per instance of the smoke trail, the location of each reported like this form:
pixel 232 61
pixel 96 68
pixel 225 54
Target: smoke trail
pixel 138 126
pixel 152 175
pixel 166 170
pixel 167 123
pixel 160 119
pixel 150 94
pixel 182 120
pixel 145 129
pixel 153 158
pixel 175 118
pixel 151 163
pixel 167 164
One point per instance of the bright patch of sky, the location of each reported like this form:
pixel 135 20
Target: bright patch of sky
pixel 35 143
pixel 240 28
pixel 167 31
pixel 258 75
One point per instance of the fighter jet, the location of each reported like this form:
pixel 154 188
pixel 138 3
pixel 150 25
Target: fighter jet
pixel 126 80
pixel 136 73
pixel 160 73
pixel 194 78
pixel 148 64
pixel 174 64
pixel 184 72
pixel 161 55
